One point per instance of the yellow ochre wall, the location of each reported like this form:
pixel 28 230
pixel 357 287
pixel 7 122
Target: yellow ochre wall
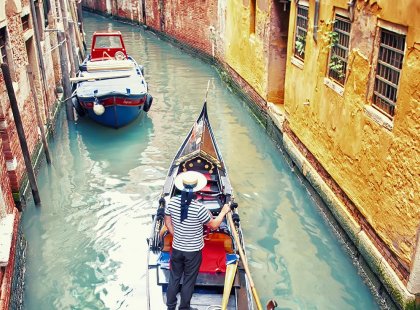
pixel 378 168
pixel 245 52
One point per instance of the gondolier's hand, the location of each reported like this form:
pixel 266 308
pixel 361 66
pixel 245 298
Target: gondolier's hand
pixel 225 210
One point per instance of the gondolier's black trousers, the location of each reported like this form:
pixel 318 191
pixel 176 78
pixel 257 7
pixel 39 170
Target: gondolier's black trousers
pixel 187 264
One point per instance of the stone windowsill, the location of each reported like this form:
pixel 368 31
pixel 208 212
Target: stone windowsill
pixel 334 86
pixel 6 233
pixel 28 34
pixel 378 117
pixel 297 62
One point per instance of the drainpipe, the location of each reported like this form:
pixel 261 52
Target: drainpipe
pixel 21 133
pixel 40 60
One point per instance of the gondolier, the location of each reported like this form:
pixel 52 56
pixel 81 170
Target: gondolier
pixel 184 218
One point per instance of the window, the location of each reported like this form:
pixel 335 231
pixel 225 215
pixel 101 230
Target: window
pixel 337 66
pixel 3 45
pixel 301 31
pixel 25 22
pixel 252 5
pixel 47 7
pixel 390 60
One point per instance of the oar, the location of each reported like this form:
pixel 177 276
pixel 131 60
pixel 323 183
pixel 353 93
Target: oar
pixel 244 261
pixel 100 77
pixel 229 279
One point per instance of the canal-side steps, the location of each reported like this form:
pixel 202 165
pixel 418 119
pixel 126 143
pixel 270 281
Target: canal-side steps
pixel 110 87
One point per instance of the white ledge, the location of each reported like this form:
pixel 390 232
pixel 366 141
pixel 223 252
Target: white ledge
pixel 11 164
pixel 378 117
pixel 6 233
pixel 297 62
pixel 334 86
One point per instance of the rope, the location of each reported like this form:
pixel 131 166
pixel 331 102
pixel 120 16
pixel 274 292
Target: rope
pixel 71 96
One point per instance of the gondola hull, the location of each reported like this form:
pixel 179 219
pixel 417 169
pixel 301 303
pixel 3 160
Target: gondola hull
pixel 199 152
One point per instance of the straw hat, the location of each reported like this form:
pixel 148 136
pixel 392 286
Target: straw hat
pixel 193 178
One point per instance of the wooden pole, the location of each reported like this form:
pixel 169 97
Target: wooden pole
pixel 38 116
pixel 40 59
pixel 244 261
pixel 80 19
pixel 65 76
pixel 21 133
pixel 64 20
pixel 77 30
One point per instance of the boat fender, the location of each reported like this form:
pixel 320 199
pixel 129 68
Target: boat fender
pixel 160 213
pixel 142 70
pixel 162 202
pixel 236 219
pixel 233 205
pixel 98 108
pixel 77 106
pixel 148 103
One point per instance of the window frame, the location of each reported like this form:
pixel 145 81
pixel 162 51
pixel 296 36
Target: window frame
pixel 398 31
pixel 337 79
pixel 3 45
pixel 296 54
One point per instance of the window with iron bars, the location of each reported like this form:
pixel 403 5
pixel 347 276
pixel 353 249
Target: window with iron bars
pixel 337 66
pixel 25 22
pixel 388 70
pixel 301 31
pixel 3 45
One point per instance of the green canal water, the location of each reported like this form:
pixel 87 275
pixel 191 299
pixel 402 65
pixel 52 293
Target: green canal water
pixel 87 242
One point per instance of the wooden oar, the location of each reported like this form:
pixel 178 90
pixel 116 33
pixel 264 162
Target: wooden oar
pixel 100 77
pixel 244 261
pixel 229 279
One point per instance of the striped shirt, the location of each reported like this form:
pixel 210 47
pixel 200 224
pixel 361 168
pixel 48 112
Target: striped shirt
pixel 188 235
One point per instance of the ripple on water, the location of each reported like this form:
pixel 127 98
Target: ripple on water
pixel 87 244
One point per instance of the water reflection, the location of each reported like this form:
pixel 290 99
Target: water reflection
pixel 87 244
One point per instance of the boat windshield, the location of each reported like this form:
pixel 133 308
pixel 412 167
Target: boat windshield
pixel 108 42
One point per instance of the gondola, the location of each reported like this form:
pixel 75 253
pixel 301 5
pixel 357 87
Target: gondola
pixel 219 280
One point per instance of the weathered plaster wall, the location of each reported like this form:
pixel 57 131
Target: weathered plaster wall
pixel 376 167
pixel 246 52
pixel 97 5
pixel 192 22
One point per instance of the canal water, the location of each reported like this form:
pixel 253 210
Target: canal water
pixel 87 242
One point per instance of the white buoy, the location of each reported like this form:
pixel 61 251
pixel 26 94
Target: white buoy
pixel 98 109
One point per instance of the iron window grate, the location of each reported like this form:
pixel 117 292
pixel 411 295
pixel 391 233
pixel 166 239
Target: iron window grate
pixel 301 31
pixel 337 66
pixel 388 70
pixel 3 45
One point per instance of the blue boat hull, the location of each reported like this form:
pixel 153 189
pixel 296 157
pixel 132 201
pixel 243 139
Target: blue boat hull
pixel 116 116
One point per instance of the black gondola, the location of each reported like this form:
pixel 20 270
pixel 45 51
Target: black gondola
pixel 199 152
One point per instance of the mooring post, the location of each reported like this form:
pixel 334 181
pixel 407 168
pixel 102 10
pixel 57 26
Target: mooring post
pixel 38 116
pixel 40 61
pixel 21 133
pixel 65 21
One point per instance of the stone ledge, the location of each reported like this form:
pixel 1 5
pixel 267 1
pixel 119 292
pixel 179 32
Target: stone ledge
pixel 6 234
pixel 364 245
pixel 276 114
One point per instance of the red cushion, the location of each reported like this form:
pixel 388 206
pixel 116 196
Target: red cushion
pixel 214 257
